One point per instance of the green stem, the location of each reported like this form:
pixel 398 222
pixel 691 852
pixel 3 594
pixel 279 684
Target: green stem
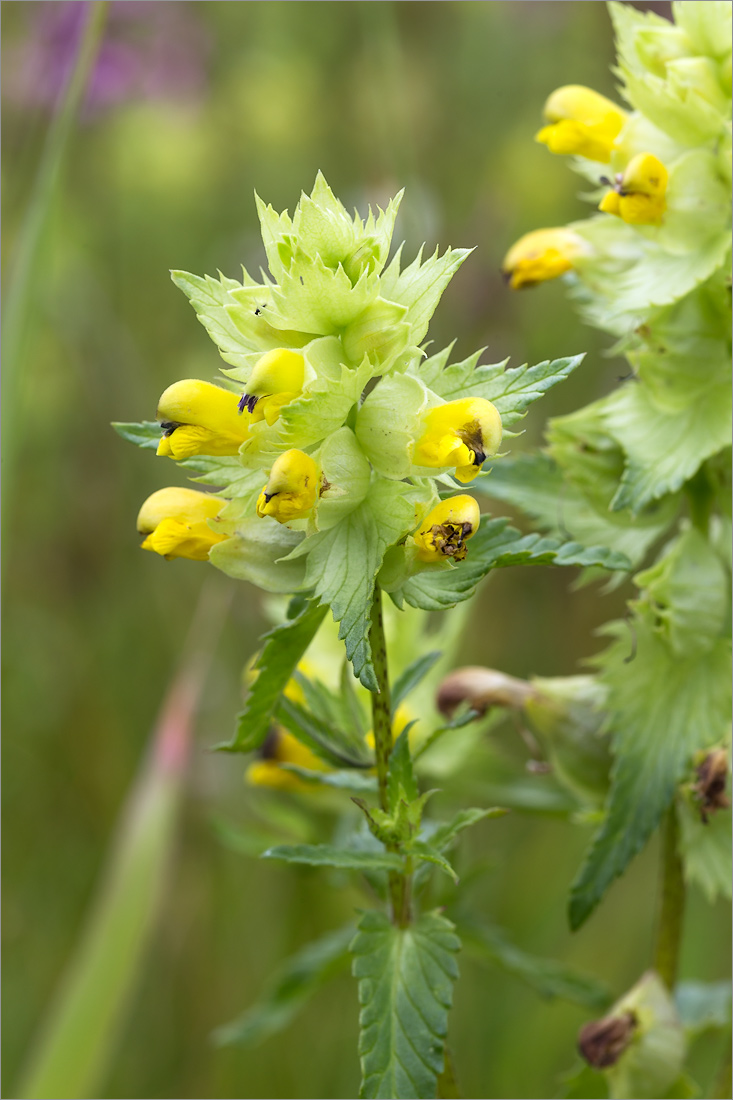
pixel 399 882
pixel 22 290
pixel 672 903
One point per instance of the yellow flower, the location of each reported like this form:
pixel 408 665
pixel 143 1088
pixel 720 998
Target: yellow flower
pixel 445 531
pixel 277 379
pixel 638 194
pixel 540 255
pixel 459 433
pixel 199 418
pixel 281 748
pixel 292 488
pixel 174 521
pixel 581 121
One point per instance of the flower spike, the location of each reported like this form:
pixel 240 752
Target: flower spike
pixel 175 522
pixel 459 433
pixel 276 380
pixel 445 531
pixel 639 193
pixel 199 418
pixel 581 121
pixel 292 488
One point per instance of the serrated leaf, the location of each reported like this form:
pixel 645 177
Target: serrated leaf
pixel 704 1006
pixel 283 647
pixel 289 990
pixel 496 546
pixel 327 741
pixel 547 977
pixel 401 782
pixel 412 676
pixel 443 837
pixel 706 850
pixel 145 434
pixel 343 562
pixel 406 978
pixel 511 391
pixel 327 855
pixel 210 299
pixel 652 744
pixel 420 286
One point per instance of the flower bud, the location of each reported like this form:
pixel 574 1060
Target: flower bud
pixel 280 747
pixel 175 522
pixel 277 379
pixel 602 1042
pixel 199 418
pixel 292 488
pixel 638 194
pixel 582 122
pixel 540 255
pixel 461 434
pixel 712 777
pixel 444 531
pixel 481 688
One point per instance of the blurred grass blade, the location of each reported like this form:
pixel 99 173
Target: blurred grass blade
pixel 25 269
pixel 72 1052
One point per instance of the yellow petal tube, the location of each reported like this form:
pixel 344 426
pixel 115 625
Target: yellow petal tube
pixel 174 521
pixel 292 488
pixel 445 531
pixel 199 418
pixel 277 379
pixel 639 193
pixel 459 433
pixel 541 255
pixel 582 122
pixel 282 748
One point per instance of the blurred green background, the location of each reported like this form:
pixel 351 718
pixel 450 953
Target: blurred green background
pixel 192 107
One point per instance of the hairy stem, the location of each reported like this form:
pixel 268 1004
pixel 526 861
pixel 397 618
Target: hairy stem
pixel 399 882
pixel 671 903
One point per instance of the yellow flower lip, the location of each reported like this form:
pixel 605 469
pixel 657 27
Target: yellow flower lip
pixel 638 194
pixel 175 523
pixel 459 433
pixel 541 255
pixel 291 489
pixel 446 529
pixel 276 379
pixel 198 417
pixel 582 122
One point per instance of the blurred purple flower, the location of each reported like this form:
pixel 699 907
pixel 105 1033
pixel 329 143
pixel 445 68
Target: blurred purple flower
pixel 151 49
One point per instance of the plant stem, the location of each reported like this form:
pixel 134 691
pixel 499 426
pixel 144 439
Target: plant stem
pixel 399 881
pixel 671 903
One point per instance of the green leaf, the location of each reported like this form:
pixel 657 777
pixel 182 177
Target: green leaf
pixel 583 1083
pixel 331 744
pixel 146 434
pixel 426 852
pixel 547 977
pixel 406 978
pixel 511 391
pixel 704 1006
pixel 326 855
pixel 346 780
pixel 289 990
pixel 412 676
pixel 401 782
pixel 535 484
pixel 210 298
pixel 282 649
pixel 259 552
pixel 421 285
pixel 343 562
pixel 495 546
pixel 706 849
pixel 443 837
pixel 652 743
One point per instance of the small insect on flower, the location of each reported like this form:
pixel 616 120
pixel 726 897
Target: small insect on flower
pixel 291 489
pixel 581 121
pixel 175 523
pixel 459 433
pixel 445 531
pixel 276 380
pixel 541 255
pixel 199 418
pixel 638 194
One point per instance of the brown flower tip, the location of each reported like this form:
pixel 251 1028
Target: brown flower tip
pixel 481 688
pixel 712 776
pixel 602 1042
